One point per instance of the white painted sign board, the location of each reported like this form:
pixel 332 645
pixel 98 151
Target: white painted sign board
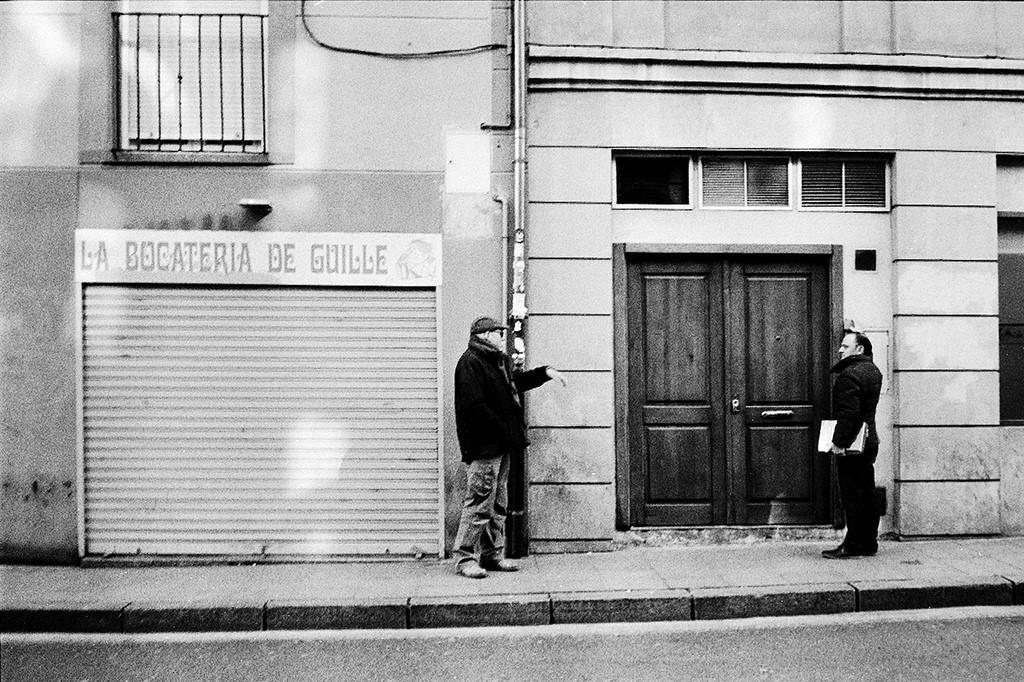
pixel 387 259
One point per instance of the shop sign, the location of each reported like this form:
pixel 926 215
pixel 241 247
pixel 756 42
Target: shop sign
pixel 391 259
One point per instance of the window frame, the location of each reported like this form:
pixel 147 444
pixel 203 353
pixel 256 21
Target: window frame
pixel 122 122
pixel 843 159
pixel 1011 235
pixel 745 158
pixel 98 140
pixel 662 154
pixel 794 179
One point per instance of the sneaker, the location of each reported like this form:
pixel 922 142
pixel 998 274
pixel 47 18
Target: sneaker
pixel 502 565
pixel 471 570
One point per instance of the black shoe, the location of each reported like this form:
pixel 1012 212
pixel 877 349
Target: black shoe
pixel 844 552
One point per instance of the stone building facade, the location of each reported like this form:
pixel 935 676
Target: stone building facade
pixel 681 204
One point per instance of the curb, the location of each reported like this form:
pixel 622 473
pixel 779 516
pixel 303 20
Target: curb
pixel 283 614
pixel 621 607
pixel 887 595
pixel 542 608
pixel 774 600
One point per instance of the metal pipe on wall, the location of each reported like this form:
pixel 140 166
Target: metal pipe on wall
pixel 517 536
pixel 518 312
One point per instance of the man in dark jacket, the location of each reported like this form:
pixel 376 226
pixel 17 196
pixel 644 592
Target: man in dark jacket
pixel 854 399
pixel 492 429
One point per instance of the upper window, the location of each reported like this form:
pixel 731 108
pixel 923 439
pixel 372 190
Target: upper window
pixel 744 183
pixel 192 82
pixel 843 183
pixel 662 180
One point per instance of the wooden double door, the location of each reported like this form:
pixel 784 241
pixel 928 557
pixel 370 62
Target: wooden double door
pixel 728 372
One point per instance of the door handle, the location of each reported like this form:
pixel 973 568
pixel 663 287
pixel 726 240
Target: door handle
pixel 734 405
pixel 777 414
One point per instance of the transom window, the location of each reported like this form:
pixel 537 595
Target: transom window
pixel 842 183
pixel 652 179
pixel 663 179
pixel 736 183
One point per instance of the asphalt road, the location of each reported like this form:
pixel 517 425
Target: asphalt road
pixel 983 643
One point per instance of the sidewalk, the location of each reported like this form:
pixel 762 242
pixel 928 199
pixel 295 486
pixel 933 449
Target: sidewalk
pixel 632 584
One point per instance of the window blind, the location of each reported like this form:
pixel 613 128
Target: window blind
pixel 745 182
pixel 821 182
pixel 767 182
pixel 722 182
pixel 839 183
pixel 865 183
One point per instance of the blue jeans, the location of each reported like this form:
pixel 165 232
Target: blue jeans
pixel 481 534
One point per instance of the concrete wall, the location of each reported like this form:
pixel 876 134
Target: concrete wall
pixel 357 144
pixel 570 295
pixel 771 121
pixel 37 402
pixel 945 305
pixel 932 302
pixel 39 51
pixel 38 209
pixel 967 29
pixel 362 144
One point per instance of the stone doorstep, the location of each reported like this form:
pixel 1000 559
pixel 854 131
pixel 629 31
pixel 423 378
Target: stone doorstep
pixel 204 616
pixel 619 606
pixel 773 600
pixel 337 614
pixel 480 610
pixel 887 595
pixel 69 617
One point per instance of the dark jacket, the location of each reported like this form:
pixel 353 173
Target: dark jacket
pixel 488 413
pixel 854 399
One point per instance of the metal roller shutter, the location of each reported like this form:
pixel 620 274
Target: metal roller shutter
pixel 256 420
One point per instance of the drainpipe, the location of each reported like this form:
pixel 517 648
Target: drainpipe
pixel 518 316
pixel 506 258
pixel 516 522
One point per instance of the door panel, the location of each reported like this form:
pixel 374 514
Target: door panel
pixel 676 393
pixel 676 344
pixel 704 333
pixel 779 315
pixel 768 475
pixel 777 320
pixel 678 464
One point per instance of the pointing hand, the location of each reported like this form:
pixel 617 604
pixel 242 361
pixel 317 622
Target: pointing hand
pixel 558 376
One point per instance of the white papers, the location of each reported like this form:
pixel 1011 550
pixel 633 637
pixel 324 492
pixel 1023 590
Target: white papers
pixel 828 428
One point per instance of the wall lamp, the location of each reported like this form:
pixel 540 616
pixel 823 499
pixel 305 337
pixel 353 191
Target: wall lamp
pixel 258 207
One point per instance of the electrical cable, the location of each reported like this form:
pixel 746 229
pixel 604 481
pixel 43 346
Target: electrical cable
pixel 395 55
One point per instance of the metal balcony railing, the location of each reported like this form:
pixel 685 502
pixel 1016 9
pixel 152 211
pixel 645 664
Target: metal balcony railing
pixel 191 83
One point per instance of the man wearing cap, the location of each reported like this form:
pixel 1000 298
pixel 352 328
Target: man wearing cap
pixel 492 430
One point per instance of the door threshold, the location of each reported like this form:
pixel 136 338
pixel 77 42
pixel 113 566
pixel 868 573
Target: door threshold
pixel 724 535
